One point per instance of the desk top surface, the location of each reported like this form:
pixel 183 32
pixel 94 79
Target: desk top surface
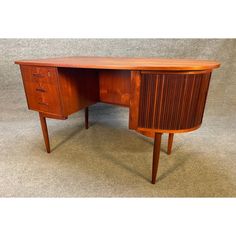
pixel 124 63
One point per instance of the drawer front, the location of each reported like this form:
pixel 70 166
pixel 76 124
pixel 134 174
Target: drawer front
pixel 41 89
pixel 40 74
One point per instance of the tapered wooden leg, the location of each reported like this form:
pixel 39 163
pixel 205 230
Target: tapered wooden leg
pixel 170 142
pixel 45 131
pixel 86 118
pixel 156 155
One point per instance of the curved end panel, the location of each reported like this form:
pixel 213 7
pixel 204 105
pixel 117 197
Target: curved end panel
pixel 172 103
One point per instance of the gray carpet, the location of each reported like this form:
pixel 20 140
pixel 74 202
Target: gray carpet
pixel 108 160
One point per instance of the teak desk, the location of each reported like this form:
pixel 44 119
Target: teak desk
pixel 163 95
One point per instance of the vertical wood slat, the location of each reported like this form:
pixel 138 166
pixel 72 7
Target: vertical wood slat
pixel 172 101
pixel 203 96
pixel 134 99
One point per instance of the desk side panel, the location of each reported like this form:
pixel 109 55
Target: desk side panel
pixel 115 87
pixel 79 88
pixel 134 99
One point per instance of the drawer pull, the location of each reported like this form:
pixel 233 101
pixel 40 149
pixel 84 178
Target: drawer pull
pixel 40 90
pixel 43 103
pixel 38 76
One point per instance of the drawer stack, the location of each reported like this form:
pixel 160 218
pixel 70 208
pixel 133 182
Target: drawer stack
pixel 42 89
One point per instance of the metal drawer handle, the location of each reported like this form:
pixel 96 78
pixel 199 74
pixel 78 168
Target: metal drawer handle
pixel 43 103
pixel 40 90
pixel 38 75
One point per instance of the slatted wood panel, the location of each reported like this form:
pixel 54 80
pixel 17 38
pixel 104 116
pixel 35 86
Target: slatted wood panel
pixel 172 101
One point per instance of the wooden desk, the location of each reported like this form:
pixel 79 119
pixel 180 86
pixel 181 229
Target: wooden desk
pixel 163 95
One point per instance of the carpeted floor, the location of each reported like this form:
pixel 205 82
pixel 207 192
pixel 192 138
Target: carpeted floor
pixel 108 160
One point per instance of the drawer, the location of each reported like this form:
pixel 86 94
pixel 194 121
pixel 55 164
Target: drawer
pixel 43 97
pixel 40 74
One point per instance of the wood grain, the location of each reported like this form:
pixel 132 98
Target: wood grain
pixel 41 89
pixel 170 142
pixel 45 131
pixel 156 156
pixel 114 86
pixel 134 99
pixel 124 63
pixel 172 101
pixel 79 88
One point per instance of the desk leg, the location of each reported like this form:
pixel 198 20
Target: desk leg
pixel 45 131
pixel 156 155
pixel 86 118
pixel 170 142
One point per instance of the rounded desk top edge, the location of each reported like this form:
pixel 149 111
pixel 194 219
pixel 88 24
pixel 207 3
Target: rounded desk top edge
pixel 124 63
